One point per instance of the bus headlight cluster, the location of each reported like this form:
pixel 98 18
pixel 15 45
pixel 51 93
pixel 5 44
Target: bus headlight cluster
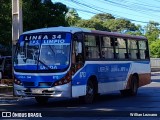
pixel 64 80
pixel 18 82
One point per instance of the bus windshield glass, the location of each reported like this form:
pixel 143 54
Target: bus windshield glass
pixel 43 52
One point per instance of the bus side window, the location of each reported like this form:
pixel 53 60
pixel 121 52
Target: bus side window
pixel 143 50
pixel 87 51
pixel 133 49
pixel 92 47
pixel 120 48
pixel 107 47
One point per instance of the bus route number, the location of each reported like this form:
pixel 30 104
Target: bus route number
pixel 82 74
pixel 56 37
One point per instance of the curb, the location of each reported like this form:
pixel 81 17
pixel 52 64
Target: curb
pixel 6 94
pixel 8 98
pixel 6 89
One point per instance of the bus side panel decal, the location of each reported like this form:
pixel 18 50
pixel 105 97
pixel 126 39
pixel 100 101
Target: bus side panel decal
pixel 113 74
pixel 111 86
pixel 103 72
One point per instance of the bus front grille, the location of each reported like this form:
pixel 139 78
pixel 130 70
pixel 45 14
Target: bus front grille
pixel 40 84
pixel 45 84
pixel 28 84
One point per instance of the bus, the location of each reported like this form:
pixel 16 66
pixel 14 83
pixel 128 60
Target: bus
pixel 72 62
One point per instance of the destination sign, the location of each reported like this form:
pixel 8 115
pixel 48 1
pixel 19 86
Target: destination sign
pixel 48 38
pixel 45 36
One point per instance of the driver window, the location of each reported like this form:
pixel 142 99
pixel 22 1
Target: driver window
pixel 77 52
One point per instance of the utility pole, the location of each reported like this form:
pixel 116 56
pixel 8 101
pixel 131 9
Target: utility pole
pixel 17 24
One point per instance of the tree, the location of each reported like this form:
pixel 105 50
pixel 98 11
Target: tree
pixel 96 22
pixel 39 14
pixel 103 17
pixel 5 27
pixel 152 31
pixel 91 24
pixel 155 49
pixel 36 14
pixel 138 32
pixel 5 24
pixel 119 25
pixel 152 34
pixel 108 22
pixel 72 17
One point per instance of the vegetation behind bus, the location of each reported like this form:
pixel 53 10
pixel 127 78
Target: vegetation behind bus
pixel 39 15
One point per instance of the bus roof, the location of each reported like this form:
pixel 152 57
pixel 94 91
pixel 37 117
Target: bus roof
pixel 59 29
pixel 78 29
pixel 115 34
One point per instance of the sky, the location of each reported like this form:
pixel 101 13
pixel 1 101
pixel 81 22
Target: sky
pixel 137 11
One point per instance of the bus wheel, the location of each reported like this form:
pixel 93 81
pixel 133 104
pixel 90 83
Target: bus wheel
pixel 90 92
pixel 41 100
pixel 134 86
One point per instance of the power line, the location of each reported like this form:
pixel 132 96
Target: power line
pixel 117 11
pixel 144 9
pixel 97 13
pixel 140 4
pixel 134 8
pixel 94 9
pixel 104 12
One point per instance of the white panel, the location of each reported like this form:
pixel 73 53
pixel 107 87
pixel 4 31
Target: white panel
pixel 110 86
pixel 78 90
pixel 140 68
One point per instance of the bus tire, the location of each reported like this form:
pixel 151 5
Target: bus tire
pixel 41 100
pixel 90 93
pixel 134 85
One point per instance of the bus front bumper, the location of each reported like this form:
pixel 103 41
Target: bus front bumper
pixel 56 91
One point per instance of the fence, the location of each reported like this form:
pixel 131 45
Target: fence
pixel 155 64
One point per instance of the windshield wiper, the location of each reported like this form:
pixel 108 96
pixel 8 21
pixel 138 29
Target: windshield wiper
pixel 43 64
pixel 52 49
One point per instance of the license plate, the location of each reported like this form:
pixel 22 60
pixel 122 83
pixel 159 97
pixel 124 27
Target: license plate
pixel 37 91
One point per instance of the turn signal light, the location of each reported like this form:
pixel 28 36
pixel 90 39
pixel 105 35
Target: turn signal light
pixel 64 80
pixel 18 82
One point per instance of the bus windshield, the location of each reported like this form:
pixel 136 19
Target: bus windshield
pixel 54 54
pixel 51 52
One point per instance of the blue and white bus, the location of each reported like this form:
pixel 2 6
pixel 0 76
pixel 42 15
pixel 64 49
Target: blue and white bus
pixel 75 62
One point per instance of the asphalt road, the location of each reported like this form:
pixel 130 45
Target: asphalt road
pixel 114 106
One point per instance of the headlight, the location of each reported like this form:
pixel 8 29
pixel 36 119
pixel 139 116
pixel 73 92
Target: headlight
pixel 18 82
